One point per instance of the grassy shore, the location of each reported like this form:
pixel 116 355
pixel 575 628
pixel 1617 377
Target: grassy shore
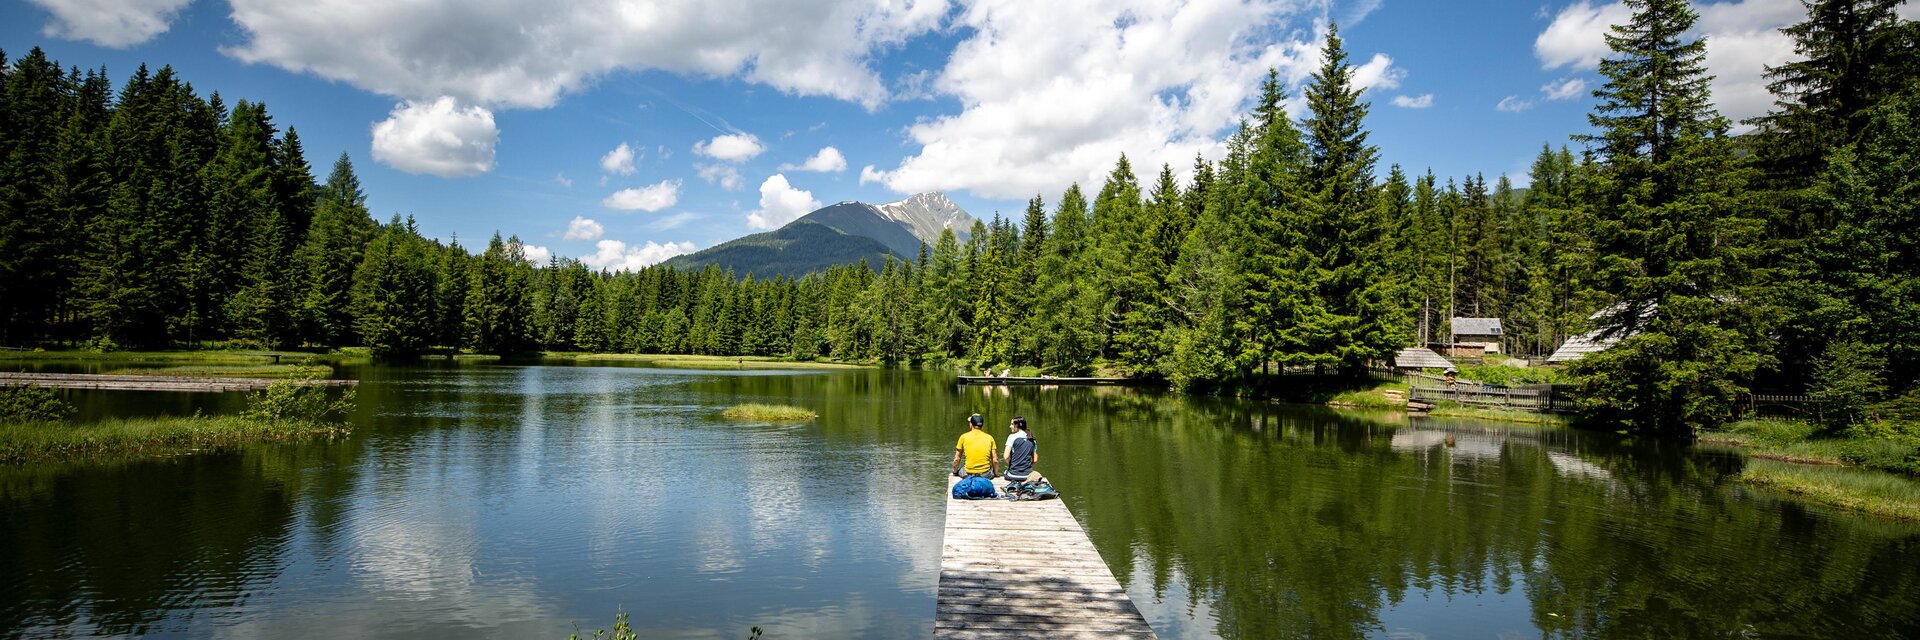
pixel 1801 442
pixel 701 362
pixel 1382 395
pixel 1866 474
pixel 769 412
pixel 208 357
pixel 1874 492
pixel 149 437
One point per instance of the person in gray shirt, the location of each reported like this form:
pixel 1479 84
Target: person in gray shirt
pixel 1021 452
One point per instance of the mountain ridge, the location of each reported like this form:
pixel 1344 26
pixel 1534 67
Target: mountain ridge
pixel 841 233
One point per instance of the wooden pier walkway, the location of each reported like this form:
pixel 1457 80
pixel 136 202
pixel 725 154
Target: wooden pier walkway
pixel 1026 570
pixel 149 383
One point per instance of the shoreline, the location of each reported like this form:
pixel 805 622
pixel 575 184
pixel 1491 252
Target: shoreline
pixel 150 437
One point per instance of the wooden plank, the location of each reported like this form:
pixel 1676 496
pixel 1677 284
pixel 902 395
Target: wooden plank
pixel 1015 569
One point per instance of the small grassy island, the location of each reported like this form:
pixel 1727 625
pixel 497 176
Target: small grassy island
pixel 35 425
pixel 755 411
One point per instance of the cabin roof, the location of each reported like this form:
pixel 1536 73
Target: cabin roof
pixel 1476 326
pixel 1420 358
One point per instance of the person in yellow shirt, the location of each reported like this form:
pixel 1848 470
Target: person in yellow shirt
pixel 975 448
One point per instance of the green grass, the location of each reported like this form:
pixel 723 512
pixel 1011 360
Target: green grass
pixel 148 437
pixel 1450 410
pixel 227 371
pixel 1802 442
pixel 199 357
pixel 1873 492
pixel 768 412
pixel 1371 398
pixel 701 362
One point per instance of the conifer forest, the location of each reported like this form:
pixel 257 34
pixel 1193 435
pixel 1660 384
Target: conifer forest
pixel 1786 258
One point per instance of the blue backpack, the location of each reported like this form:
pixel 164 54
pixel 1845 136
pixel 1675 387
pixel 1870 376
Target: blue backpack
pixel 973 488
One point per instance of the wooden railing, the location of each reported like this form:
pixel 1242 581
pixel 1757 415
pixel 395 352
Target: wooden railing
pixel 1540 398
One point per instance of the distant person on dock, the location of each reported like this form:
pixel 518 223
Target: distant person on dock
pixel 1021 452
pixel 975 449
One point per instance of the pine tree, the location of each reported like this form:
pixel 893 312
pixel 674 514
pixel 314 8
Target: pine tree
pixel 499 303
pixel 451 281
pixel 1285 322
pixel 1852 54
pixel 335 243
pixel 396 272
pixel 1360 319
pixel 1205 340
pixel 1066 325
pixel 1117 235
pixel 35 101
pixel 1162 227
pixel 1674 242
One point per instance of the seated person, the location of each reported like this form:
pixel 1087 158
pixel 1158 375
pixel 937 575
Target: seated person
pixel 1021 452
pixel 975 448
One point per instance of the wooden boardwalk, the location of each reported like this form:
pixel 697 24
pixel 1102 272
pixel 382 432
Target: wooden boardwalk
pixel 149 383
pixel 1026 570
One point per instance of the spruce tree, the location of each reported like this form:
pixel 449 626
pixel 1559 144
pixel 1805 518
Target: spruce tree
pixel 1851 55
pixel 1675 244
pixel 1361 319
pixel 1067 328
pixel 1285 321
pixel 334 246
pixel 395 274
pixel 1205 338
pixel 1117 235
pixel 498 304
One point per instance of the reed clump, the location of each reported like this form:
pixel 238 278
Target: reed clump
pixel 754 411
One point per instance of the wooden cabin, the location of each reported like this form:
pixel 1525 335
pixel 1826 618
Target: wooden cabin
pixel 1484 333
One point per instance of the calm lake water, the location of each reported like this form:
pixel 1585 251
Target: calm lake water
pixel 520 501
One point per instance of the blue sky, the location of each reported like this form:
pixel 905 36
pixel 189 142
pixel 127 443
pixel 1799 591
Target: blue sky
pixel 510 115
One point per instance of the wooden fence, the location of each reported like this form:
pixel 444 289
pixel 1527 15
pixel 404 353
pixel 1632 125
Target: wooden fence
pixel 1537 398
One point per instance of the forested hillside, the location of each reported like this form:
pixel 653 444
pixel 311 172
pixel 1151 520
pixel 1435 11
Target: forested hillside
pixel 1785 258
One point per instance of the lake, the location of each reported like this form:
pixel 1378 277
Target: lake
pixel 486 500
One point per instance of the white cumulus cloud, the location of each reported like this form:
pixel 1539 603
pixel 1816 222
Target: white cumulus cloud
pixel 584 228
pixel 725 175
pixel 1055 92
pixel 438 138
pixel 733 147
pixel 614 255
pixel 528 53
pixel 650 198
pixel 1565 88
pixel 536 254
pixel 1421 101
pixel 619 160
pixel 780 203
pixel 869 174
pixel 828 160
pixel 109 23
pixel 1577 36
pixel 1513 104
pixel 1743 39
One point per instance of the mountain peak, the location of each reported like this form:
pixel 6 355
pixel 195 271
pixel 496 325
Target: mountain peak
pixel 925 214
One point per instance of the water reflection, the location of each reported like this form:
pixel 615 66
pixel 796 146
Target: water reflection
pixel 507 501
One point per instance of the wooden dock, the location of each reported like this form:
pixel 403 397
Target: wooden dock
pixel 1024 380
pixel 191 384
pixel 1026 570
